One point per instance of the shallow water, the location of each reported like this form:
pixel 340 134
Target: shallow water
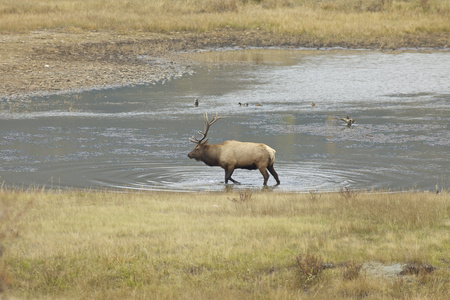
pixel 137 137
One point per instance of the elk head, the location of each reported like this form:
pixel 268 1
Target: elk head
pixel 202 143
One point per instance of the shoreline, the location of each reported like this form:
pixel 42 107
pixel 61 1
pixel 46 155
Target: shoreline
pixel 46 62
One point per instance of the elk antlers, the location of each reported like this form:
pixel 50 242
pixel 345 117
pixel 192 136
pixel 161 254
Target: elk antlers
pixel 208 123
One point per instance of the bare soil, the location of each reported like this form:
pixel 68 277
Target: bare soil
pixel 51 62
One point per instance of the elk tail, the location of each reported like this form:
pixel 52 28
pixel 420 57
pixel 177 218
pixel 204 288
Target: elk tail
pixel 271 154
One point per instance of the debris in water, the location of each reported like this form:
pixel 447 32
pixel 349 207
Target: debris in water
pixel 348 121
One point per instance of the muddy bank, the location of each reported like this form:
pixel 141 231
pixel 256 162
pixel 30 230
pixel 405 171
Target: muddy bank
pixel 44 62
pixel 49 62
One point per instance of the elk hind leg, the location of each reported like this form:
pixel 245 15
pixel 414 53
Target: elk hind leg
pixel 274 173
pixel 264 173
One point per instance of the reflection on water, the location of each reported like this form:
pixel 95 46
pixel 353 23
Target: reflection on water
pixel 137 137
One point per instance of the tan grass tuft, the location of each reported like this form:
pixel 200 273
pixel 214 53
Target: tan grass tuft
pixel 310 267
pixel 417 269
pixel 351 270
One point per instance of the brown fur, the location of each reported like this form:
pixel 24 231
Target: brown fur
pixel 231 155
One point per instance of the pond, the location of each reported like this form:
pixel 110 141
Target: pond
pixel 138 137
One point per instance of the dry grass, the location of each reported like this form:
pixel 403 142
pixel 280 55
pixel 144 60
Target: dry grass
pixel 107 245
pixel 352 271
pixel 332 20
pixel 310 268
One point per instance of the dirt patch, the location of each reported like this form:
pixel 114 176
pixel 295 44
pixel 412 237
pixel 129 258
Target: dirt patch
pixel 52 62
pixel 393 271
pixel 353 270
pixel 49 62
pixel 377 269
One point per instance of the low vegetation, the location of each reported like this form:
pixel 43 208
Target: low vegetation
pixel 263 245
pixel 326 21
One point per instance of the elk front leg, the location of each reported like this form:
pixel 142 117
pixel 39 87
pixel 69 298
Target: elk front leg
pixel 274 174
pixel 228 172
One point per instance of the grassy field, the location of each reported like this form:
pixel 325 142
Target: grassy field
pixel 329 20
pixel 260 245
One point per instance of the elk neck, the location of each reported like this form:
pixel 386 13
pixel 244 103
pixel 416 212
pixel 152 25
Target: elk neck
pixel 211 155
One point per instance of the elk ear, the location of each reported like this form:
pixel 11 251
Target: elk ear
pixel 204 142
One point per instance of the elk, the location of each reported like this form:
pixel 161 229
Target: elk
pixel 231 155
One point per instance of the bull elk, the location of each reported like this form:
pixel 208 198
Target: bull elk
pixel 231 155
